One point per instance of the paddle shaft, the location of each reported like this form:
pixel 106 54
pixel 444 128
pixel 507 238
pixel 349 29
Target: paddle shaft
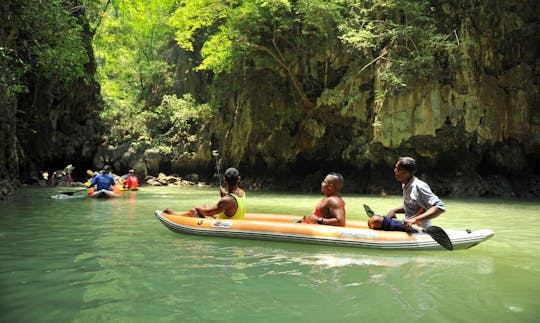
pixel 188 214
pixel 73 192
pixel 123 177
pixel 215 153
pixel 418 228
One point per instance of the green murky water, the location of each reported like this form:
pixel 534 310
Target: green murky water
pixel 84 260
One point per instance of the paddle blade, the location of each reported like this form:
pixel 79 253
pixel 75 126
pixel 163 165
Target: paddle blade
pixel 369 211
pixel 73 192
pixel 440 236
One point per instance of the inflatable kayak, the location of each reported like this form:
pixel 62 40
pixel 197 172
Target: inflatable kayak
pixel 281 227
pixel 104 193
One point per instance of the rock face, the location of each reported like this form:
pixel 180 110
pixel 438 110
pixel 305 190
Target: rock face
pixel 9 162
pixel 475 130
pixel 9 169
pixel 50 122
pixel 490 104
pixel 484 118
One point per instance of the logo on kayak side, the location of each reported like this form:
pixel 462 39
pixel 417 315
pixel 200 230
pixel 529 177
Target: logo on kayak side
pixel 221 224
pixel 362 235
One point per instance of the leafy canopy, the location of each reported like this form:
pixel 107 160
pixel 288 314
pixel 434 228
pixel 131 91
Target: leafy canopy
pixel 52 46
pixel 280 35
pixel 131 45
pixel 401 32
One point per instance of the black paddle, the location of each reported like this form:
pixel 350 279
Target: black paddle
pixel 369 211
pixel 123 177
pixel 73 192
pixel 436 233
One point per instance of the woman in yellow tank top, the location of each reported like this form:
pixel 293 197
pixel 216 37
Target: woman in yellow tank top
pixel 232 204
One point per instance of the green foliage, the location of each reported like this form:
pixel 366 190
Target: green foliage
pixel 58 47
pixel 279 35
pixel 401 32
pixel 175 122
pixel 235 30
pixel 131 45
pixel 298 40
pixel 282 35
pixel 53 47
pixel 12 69
pixel 194 15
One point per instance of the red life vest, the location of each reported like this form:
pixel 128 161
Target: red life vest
pixel 131 182
pixel 317 211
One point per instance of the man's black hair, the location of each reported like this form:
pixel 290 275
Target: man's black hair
pixel 408 164
pixel 231 175
pixel 339 181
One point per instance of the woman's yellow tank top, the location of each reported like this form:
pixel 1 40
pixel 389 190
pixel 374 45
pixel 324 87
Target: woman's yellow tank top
pixel 240 211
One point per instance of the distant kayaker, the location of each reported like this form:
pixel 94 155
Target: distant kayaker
pixel 104 180
pixel 131 182
pixel 232 204
pixel 420 204
pixel 331 209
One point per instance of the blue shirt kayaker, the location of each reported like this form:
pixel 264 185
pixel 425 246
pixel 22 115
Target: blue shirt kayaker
pixel 105 180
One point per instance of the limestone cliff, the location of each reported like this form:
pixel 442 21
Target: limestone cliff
pixel 474 126
pixel 483 117
pixel 475 129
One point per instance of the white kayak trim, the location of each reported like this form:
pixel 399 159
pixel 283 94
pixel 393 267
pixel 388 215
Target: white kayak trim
pixel 317 234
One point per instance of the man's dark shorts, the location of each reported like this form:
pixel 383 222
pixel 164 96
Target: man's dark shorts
pixel 394 225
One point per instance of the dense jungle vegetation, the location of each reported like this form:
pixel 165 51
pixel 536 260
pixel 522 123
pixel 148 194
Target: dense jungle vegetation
pixel 133 53
pixel 291 87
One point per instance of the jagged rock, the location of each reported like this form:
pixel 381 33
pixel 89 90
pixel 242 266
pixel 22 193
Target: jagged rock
pixel 153 182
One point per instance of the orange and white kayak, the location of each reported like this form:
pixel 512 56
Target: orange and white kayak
pixel 116 192
pixel 282 227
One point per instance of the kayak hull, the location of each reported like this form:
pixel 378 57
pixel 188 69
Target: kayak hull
pixel 103 194
pixel 279 227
